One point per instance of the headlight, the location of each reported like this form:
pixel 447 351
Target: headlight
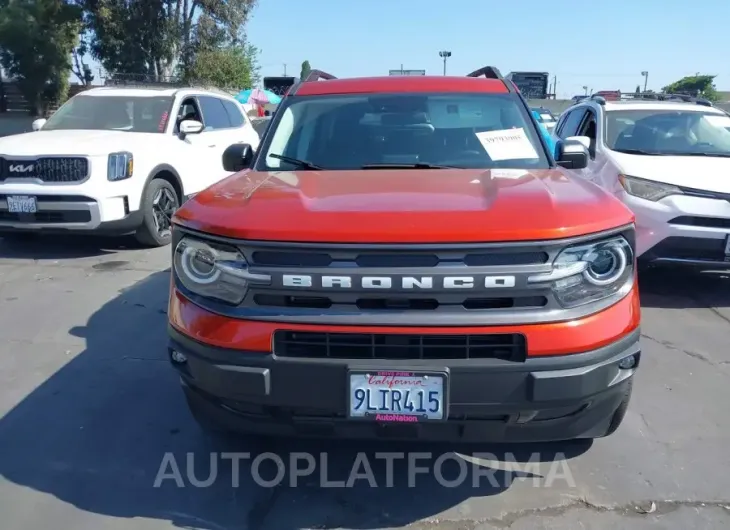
pixel 591 272
pixel 214 271
pixel 647 189
pixel 120 166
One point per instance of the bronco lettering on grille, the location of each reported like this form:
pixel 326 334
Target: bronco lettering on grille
pixel 398 282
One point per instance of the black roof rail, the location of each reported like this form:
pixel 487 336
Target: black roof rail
pixel 316 75
pixel 490 72
pixel 661 96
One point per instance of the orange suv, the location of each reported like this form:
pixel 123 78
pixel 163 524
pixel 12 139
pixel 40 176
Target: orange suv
pixel 404 257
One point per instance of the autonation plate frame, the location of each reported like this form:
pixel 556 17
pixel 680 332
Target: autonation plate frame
pixel 401 417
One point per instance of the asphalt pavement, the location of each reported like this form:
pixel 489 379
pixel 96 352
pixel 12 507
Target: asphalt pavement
pixel 94 432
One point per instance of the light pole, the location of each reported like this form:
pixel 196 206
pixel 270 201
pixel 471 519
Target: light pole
pixel 646 78
pixel 444 54
pixel 585 87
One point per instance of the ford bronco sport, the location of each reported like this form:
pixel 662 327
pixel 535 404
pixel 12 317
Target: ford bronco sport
pixel 404 257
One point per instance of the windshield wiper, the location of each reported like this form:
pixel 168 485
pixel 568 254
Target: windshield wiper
pixel 638 152
pixel 717 155
pixel 302 164
pixel 418 165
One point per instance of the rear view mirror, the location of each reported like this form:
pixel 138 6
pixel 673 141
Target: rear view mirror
pixel 572 154
pixel 584 140
pixel 237 157
pixel 38 124
pixel 190 127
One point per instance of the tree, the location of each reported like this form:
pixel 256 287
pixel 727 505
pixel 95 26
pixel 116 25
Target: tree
pixel 638 90
pixel 232 67
pixel 305 70
pixel 159 38
pixel 694 85
pixel 36 41
pixel 80 67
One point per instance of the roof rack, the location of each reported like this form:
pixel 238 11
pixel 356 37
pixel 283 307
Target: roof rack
pixel 490 72
pixel 316 75
pixel 653 96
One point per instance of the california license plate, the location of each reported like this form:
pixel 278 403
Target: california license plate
pixel 394 396
pixel 22 204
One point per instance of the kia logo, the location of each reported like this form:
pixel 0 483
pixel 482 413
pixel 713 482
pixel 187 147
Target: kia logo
pixel 20 168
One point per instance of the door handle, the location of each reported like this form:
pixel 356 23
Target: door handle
pixel 213 145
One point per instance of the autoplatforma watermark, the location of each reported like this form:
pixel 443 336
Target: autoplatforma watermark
pixel 450 470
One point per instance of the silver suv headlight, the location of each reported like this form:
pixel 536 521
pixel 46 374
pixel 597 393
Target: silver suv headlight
pixel 214 270
pixel 120 166
pixel 647 189
pixel 590 272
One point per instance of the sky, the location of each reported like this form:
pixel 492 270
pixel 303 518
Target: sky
pixel 604 46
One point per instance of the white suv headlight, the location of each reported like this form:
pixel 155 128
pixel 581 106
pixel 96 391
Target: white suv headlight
pixel 647 189
pixel 590 272
pixel 120 166
pixel 214 270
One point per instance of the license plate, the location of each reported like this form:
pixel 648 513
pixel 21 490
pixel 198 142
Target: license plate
pixel 390 396
pixel 22 204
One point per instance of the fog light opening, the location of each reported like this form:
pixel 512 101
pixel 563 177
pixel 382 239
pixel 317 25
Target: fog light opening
pixel 178 357
pixel 627 363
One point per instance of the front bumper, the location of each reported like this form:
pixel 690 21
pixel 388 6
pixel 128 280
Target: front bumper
pixel 542 399
pixel 70 213
pixel 682 229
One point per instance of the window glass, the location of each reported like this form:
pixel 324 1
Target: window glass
pixel 457 130
pixel 571 123
pixel 112 113
pixel 235 115
pixel 214 113
pixel 668 132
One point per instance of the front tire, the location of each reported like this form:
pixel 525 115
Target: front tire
pixel 159 203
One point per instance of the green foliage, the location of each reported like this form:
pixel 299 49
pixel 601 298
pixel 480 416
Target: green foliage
pixel 160 38
pixel 694 85
pixel 232 67
pixel 305 70
pixel 36 41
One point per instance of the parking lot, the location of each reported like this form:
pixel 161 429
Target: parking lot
pixel 89 408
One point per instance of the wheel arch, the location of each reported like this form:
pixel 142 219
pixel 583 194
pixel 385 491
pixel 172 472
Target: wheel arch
pixel 170 174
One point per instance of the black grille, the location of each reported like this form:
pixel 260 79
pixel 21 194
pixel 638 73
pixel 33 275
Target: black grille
pixel 400 304
pixel 47 169
pixel 306 344
pixel 705 222
pixel 60 216
pixel 403 259
pixel 688 248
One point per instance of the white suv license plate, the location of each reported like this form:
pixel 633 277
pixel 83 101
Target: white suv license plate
pixel 22 204
pixel 397 396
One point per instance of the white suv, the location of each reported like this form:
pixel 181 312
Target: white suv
pixel 669 161
pixel 118 160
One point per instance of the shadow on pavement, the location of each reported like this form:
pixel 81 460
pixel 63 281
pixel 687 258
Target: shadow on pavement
pixel 40 247
pixel 95 436
pixel 684 288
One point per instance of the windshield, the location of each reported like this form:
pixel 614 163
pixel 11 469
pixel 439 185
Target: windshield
pixel 348 132
pixel 668 132
pixel 112 113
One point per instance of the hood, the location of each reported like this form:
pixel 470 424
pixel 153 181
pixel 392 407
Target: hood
pixel 74 142
pixel 698 172
pixel 403 206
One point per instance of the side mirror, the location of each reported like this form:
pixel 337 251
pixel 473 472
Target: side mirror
pixel 38 124
pixel 572 154
pixel 237 157
pixel 190 127
pixel 584 140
